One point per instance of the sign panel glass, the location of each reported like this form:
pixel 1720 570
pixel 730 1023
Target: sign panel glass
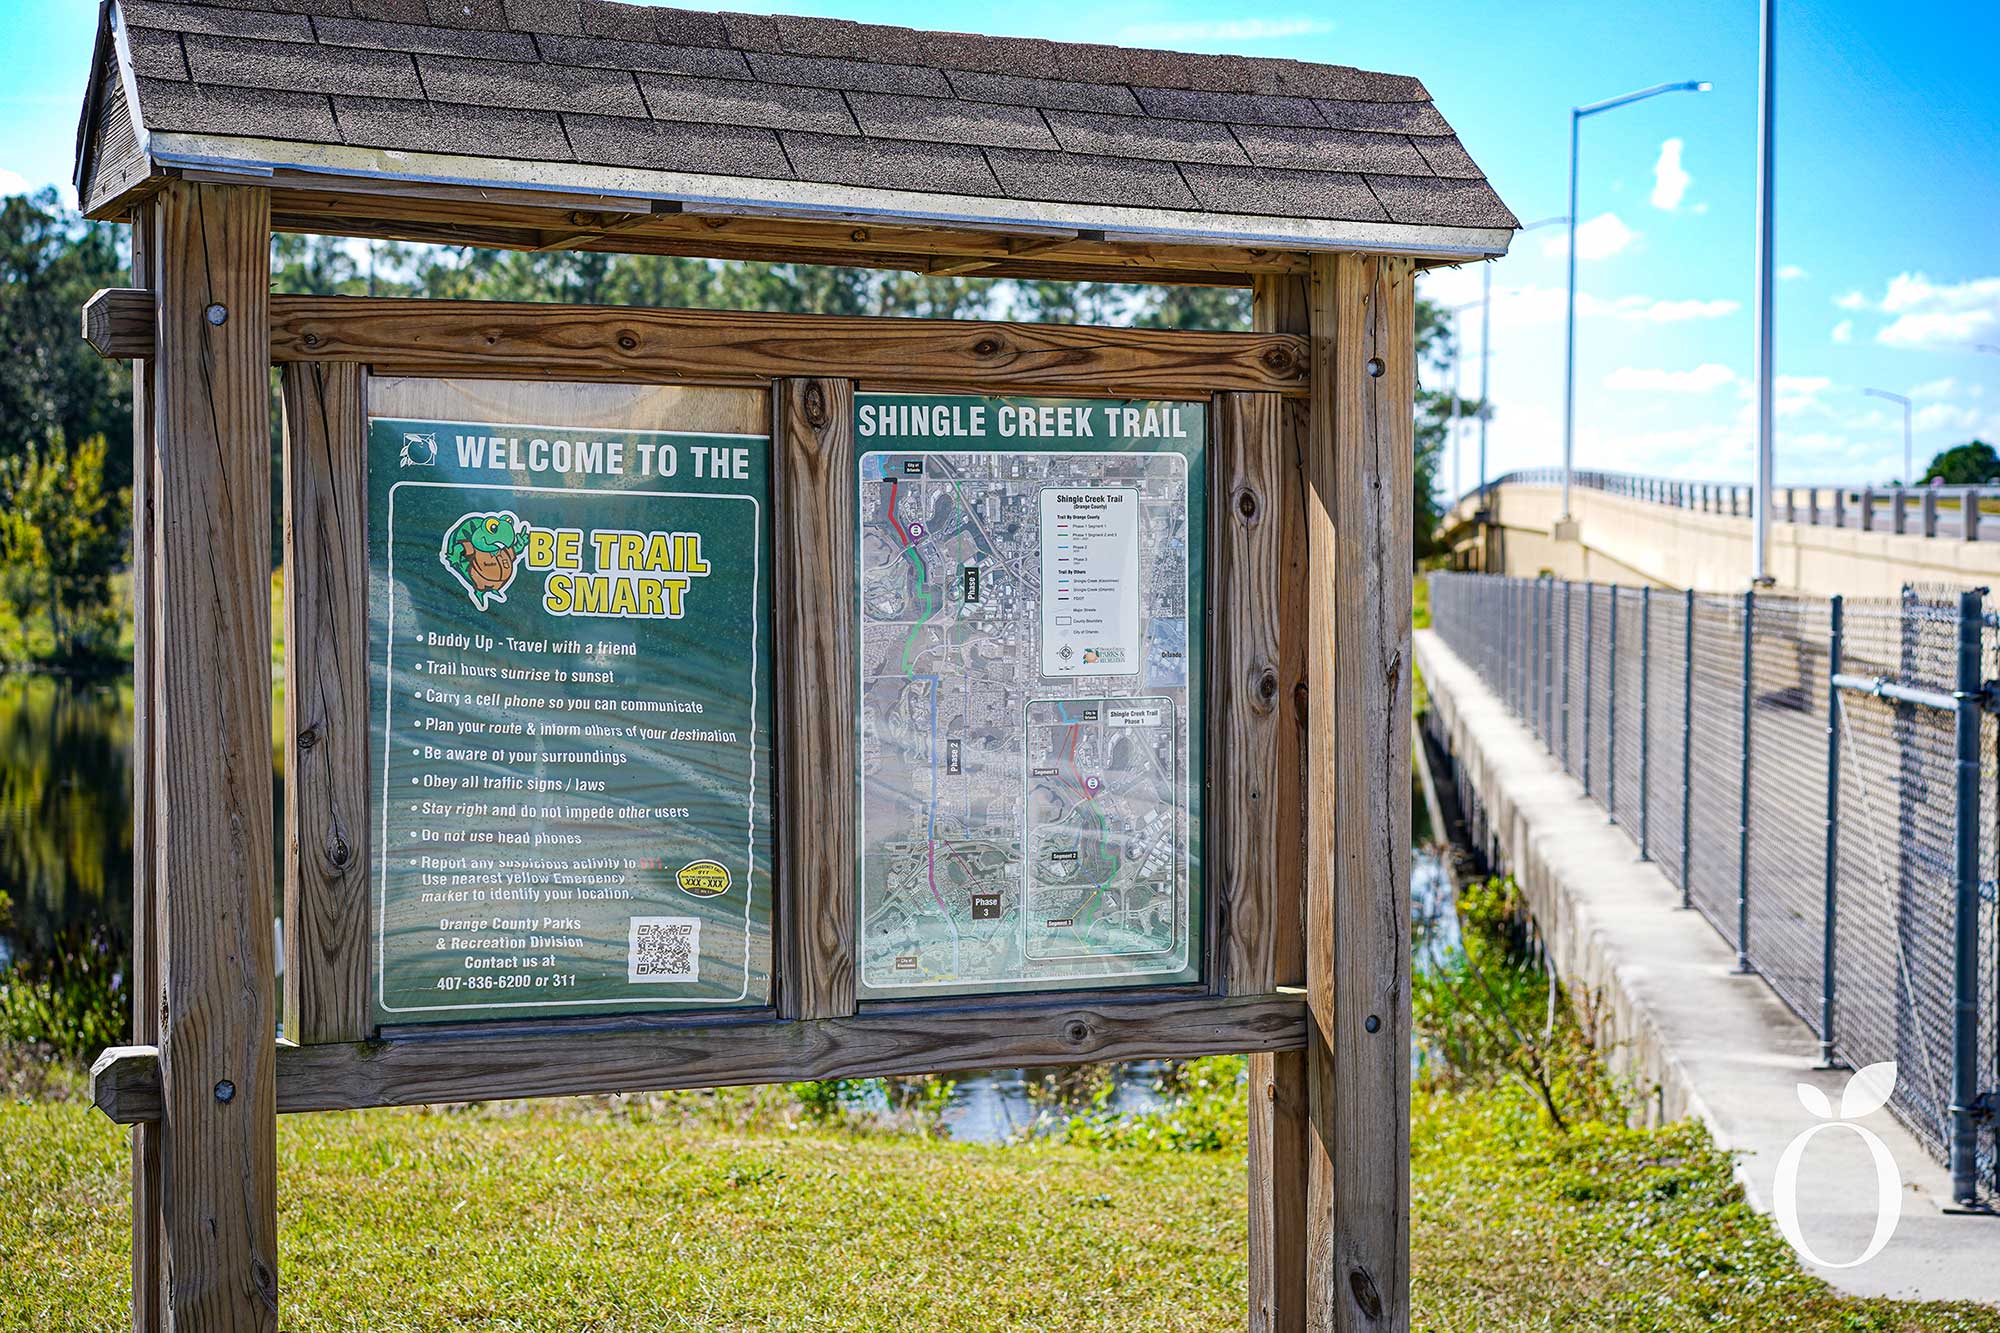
pixel 1032 625
pixel 571 683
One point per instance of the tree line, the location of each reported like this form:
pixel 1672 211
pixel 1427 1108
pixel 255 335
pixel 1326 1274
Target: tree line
pixel 65 414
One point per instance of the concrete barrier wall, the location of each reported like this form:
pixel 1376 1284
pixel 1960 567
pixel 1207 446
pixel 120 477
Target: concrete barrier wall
pixel 1623 540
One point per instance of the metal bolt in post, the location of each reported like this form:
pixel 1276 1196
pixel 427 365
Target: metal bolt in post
pixel 1645 718
pixel 1611 719
pixel 1965 970
pixel 1589 672
pixel 1687 752
pixel 1829 912
pixel 1743 802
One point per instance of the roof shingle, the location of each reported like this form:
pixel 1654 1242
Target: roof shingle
pixel 858 106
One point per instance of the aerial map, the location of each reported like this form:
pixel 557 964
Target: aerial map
pixel 1031 619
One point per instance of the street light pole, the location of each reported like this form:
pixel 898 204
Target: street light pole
pixel 1909 478
pixel 1576 116
pixel 1760 573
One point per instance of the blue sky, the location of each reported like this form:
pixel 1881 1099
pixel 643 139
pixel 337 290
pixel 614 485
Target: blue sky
pixel 1888 189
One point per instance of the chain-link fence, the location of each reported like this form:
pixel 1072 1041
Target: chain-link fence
pixel 1821 780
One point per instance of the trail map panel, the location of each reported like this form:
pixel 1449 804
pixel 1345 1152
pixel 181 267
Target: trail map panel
pixel 1032 620
pixel 570 698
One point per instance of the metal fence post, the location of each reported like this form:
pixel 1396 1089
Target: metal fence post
pixel 1534 648
pixel 1589 672
pixel 1968 515
pixel 1965 1115
pixel 1830 911
pixel 1743 802
pixel 1645 718
pixel 1569 614
pixel 1687 752
pixel 1611 719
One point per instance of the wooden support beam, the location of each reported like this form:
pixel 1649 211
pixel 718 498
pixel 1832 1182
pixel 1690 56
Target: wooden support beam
pixel 642 344
pixel 746 347
pixel 327 907
pixel 118 321
pixel 532 1060
pixel 1277 1081
pixel 1359 516
pixel 148 1253
pixel 1247 562
pixel 814 618
pixel 210 647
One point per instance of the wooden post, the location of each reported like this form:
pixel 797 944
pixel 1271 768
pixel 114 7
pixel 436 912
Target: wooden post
pixel 209 649
pixel 1246 521
pixel 327 908
pixel 148 1273
pixel 1359 466
pixel 813 442
pixel 1277 1081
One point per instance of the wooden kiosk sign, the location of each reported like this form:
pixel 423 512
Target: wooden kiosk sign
pixel 677 698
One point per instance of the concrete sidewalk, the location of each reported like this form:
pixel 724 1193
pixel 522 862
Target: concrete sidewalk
pixel 1690 1035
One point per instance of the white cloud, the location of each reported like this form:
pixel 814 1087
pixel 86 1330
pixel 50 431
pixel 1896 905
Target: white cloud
pixel 1600 238
pixel 1944 416
pixel 13 182
pixel 1935 388
pixel 1791 273
pixel 1798 395
pixel 1933 314
pixel 1670 179
pixel 1843 332
pixel 1225 30
pixel 1677 312
pixel 1704 378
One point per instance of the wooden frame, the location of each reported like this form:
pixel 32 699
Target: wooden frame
pixel 1307 962
pixel 635 344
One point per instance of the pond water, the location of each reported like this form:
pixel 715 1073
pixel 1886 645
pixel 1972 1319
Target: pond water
pixel 66 874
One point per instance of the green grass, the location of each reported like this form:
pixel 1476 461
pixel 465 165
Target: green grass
pixel 575 1216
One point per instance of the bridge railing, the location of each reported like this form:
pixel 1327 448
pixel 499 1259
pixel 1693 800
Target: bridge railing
pixel 1817 777
pixel 1954 513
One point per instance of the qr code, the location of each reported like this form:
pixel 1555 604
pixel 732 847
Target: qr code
pixel 664 948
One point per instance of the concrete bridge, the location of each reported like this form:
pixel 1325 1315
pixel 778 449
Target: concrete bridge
pixel 1638 530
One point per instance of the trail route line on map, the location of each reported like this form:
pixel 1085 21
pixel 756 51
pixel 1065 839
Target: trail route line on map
pixel 1025 714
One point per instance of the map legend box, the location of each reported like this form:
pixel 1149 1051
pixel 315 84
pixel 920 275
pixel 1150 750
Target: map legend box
pixel 1090 581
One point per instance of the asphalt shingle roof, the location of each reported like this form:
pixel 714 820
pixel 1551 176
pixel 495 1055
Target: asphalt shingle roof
pixel 810 100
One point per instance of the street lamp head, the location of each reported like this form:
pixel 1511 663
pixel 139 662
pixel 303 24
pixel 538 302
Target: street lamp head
pixel 1704 87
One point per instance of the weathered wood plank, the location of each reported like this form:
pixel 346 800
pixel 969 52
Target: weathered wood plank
pixel 643 344
pixel 1278 1123
pixel 326 704
pixel 148 1260
pixel 1357 828
pixel 118 321
pixel 1247 563
pixel 743 347
pixel 814 620
pixel 426 211
pixel 543 1060
pixel 211 647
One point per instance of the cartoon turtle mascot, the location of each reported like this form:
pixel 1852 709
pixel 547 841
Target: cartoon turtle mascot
pixel 483 551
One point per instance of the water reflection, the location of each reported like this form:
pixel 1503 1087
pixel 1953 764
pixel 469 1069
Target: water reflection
pixel 65 809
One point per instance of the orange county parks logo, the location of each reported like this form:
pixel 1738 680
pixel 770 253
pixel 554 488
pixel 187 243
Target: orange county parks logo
pixel 704 879
pixel 482 551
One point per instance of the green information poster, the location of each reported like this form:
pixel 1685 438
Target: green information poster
pixel 1032 623
pixel 571 698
